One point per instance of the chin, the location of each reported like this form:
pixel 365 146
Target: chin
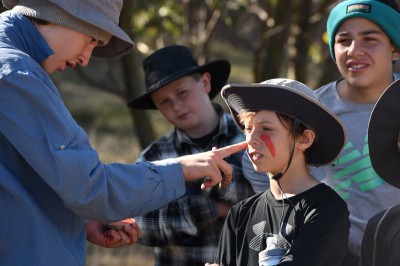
pixel 259 169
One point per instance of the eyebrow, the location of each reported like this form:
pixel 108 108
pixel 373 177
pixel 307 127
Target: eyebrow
pixel 363 33
pixel 262 122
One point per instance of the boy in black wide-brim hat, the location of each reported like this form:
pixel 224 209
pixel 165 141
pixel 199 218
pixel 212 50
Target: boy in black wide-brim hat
pixel 287 129
pixel 186 231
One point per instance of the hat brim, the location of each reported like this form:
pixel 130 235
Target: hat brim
pixel 218 69
pixel 383 134
pixel 330 133
pixel 120 43
pixel 9 4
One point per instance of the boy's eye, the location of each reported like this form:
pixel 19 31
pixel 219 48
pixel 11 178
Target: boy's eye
pixel 93 40
pixel 182 93
pixel 247 129
pixel 343 41
pixel 369 39
pixel 163 102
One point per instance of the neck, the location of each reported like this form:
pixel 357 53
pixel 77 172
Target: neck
pixel 292 184
pixel 363 94
pixel 206 126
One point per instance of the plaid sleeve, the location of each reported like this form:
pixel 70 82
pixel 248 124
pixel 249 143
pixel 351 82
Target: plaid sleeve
pixel 180 221
pixel 239 188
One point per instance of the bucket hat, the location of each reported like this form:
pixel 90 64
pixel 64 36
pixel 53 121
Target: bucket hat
pixel 99 17
pixel 296 100
pixel 383 135
pixel 171 63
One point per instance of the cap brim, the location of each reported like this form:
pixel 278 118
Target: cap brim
pixel 383 134
pixel 218 69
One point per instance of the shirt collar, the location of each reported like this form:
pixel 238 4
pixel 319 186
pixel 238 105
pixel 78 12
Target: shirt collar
pixel 23 34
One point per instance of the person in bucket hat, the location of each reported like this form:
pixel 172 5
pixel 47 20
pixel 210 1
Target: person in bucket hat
pixel 287 129
pixel 186 231
pixel 381 241
pixel 364 43
pixel 52 181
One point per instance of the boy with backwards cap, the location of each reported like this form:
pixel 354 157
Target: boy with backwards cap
pixel 186 231
pixel 51 177
pixel 364 41
pixel 287 129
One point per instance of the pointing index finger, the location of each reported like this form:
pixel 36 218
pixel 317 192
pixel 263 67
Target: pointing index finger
pixel 231 149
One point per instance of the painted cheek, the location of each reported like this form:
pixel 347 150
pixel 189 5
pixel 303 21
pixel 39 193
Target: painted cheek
pixel 268 143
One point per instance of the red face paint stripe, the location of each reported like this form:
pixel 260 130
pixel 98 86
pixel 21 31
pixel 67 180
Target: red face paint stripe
pixel 267 141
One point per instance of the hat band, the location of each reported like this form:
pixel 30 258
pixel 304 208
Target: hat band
pixel 381 14
pixel 52 13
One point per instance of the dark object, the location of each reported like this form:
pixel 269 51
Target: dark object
pixel 383 135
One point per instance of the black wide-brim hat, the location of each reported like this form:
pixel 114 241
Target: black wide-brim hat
pixel 296 100
pixel 383 135
pixel 174 62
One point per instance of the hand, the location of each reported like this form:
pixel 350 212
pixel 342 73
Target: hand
pixel 208 264
pixel 210 164
pixel 97 234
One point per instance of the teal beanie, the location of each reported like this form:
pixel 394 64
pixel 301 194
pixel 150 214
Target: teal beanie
pixel 387 18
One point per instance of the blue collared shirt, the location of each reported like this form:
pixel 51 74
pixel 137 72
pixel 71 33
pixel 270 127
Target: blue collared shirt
pixel 51 179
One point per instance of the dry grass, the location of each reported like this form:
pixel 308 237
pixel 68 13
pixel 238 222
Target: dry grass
pixel 135 255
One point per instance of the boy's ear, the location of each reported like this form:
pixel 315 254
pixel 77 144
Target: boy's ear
pixel 395 54
pixel 306 139
pixel 206 81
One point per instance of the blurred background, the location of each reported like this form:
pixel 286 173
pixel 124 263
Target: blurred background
pixel 262 39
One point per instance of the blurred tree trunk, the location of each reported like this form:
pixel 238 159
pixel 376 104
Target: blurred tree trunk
pixel 311 25
pixel 123 77
pixel 303 32
pixel 288 31
pixel 275 42
pixel 133 81
pixel 199 27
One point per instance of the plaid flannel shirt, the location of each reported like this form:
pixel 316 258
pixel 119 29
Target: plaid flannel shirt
pixel 186 231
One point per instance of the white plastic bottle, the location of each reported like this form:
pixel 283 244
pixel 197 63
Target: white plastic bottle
pixel 272 254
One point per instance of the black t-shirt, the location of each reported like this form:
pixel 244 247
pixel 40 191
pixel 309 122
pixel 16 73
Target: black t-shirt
pixel 313 226
pixel 204 141
pixel 381 241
